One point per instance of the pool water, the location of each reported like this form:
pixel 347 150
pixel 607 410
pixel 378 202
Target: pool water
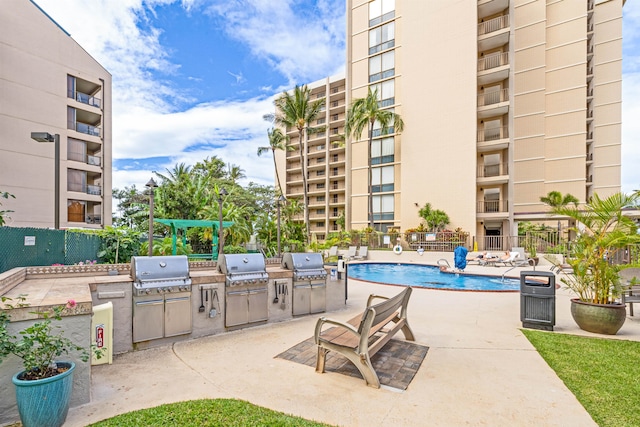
pixel 427 276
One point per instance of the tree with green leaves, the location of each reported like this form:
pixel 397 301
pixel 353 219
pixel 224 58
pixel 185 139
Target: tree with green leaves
pixel 363 114
pixel 235 173
pixel 296 110
pixel 555 199
pixel 435 219
pixel 604 230
pixel 133 208
pixel 277 141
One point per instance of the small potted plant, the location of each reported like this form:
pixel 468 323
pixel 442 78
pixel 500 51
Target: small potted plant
pixel 43 388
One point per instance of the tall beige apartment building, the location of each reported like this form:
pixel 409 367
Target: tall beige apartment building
pixel 50 86
pixel 502 100
pixel 325 159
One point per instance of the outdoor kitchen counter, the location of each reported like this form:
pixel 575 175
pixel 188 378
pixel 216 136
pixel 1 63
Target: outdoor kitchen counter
pixel 42 294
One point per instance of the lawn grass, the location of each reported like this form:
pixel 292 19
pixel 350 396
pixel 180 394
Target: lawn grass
pixel 603 374
pixel 207 412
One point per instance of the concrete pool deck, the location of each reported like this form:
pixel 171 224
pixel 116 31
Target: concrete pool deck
pixel 480 369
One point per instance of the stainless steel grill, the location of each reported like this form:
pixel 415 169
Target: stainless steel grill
pixel 246 284
pixel 160 274
pixel 309 282
pixel 161 297
pixel 243 269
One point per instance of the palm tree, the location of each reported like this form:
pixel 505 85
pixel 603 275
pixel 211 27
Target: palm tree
pixel 555 199
pixel 364 113
pixel 606 230
pixel 296 110
pixel 277 141
pixel 235 173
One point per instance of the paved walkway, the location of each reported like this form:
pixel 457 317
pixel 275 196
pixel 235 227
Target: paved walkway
pixel 480 370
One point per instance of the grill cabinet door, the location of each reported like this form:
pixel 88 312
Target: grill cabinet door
pixel 177 316
pixel 301 296
pixel 318 302
pixel 148 319
pixel 258 306
pixel 237 308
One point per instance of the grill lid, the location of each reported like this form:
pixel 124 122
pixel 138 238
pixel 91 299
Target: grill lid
pixel 305 265
pixel 146 270
pixel 303 261
pixel 232 264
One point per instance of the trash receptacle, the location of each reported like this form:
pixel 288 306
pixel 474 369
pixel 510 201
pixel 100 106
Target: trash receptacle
pixel 538 300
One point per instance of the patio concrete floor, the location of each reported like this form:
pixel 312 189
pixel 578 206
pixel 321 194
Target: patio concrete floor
pixel 480 370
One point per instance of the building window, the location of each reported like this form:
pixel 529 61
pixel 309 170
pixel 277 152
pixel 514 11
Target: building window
pixel 386 92
pixel 76 181
pixel 335 212
pixel 383 207
pixel 320 211
pixel 382 179
pixel 320 186
pixel 334 172
pixel 382 66
pixel 76 150
pixel 382 38
pixel 382 151
pixel 320 173
pixel 381 11
pixel 320 224
pixel 377 130
pixel 321 121
pixel 320 199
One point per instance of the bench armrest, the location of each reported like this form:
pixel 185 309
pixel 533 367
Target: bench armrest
pixel 325 320
pixel 372 297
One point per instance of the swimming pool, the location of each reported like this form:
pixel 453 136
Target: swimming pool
pixel 427 276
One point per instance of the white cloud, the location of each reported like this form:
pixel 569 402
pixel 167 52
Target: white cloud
pixel 302 43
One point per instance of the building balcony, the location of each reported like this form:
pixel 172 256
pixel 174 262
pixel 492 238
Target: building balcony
pixel 492 171
pixel 492 206
pixel 86 129
pixel 493 68
pixel 93 219
pixel 493 104
pixel 493 139
pixel 493 33
pixel 93 190
pixel 87 99
pixel 491 7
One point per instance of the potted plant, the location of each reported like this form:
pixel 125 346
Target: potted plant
pixel 602 231
pixel 43 388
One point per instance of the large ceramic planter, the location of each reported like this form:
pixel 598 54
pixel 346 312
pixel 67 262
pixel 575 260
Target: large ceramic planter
pixel 45 403
pixel 598 318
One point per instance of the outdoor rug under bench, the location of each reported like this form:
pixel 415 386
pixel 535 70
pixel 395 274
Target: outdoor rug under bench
pixel 396 363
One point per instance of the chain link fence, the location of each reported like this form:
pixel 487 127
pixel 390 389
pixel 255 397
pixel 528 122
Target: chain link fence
pixel 26 247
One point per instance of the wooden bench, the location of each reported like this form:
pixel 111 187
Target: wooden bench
pixel 361 337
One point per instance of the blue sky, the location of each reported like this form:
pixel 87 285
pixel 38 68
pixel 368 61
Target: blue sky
pixel 193 78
